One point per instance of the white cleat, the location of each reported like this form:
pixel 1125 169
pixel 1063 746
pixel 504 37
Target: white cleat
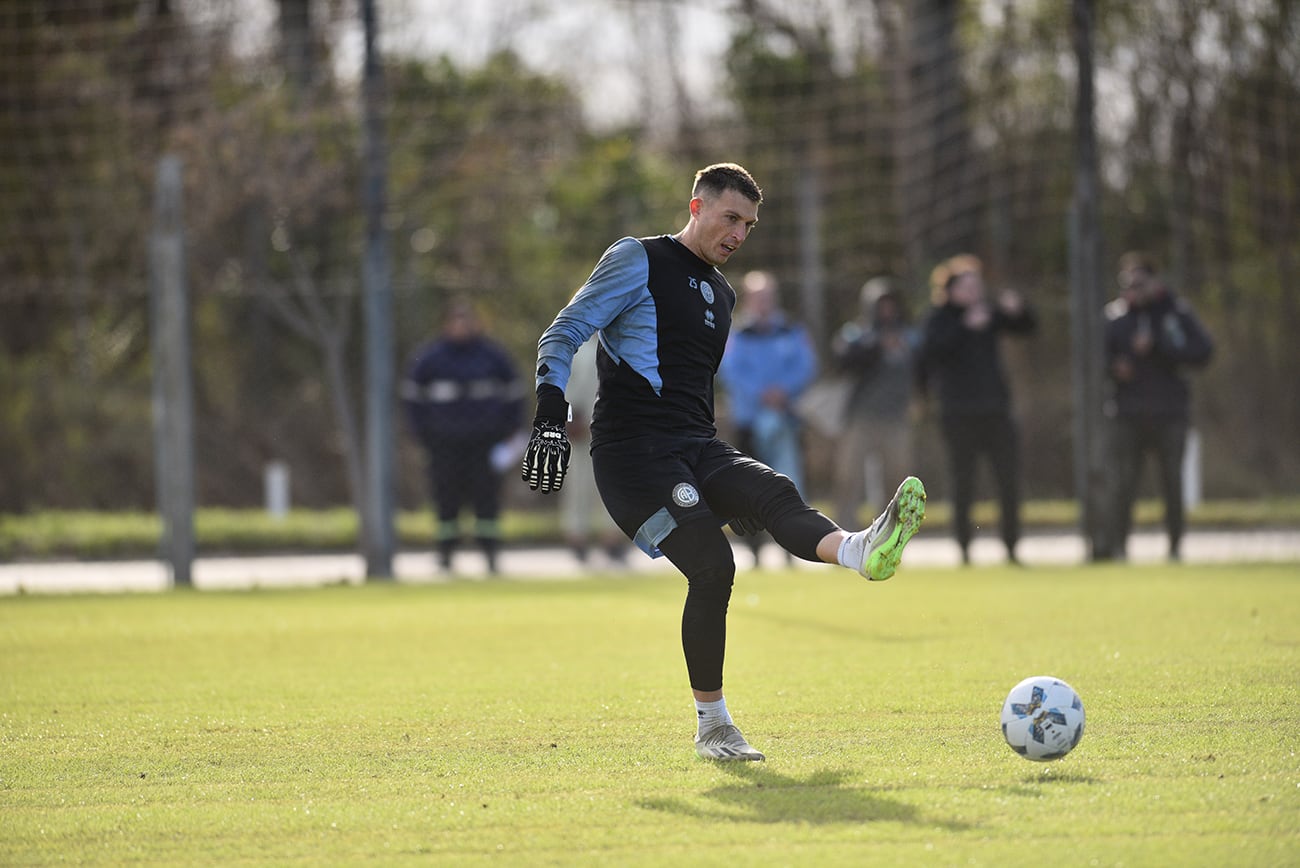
pixel 725 743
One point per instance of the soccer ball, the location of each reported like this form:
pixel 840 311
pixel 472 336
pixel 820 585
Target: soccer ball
pixel 1042 718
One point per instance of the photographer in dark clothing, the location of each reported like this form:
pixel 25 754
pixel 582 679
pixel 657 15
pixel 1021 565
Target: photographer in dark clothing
pixel 960 352
pixel 1152 337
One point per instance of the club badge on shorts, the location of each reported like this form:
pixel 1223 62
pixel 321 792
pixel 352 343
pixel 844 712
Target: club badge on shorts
pixel 685 495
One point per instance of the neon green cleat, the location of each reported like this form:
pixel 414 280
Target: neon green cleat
pixel 892 529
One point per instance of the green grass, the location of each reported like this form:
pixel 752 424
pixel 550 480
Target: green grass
pixel 99 535
pixel 548 723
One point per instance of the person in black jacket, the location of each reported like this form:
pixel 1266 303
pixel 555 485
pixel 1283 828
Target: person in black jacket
pixel 464 403
pixel 1152 336
pixel 960 351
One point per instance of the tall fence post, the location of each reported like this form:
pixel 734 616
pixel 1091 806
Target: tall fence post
pixel 1091 476
pixel 377 523
pixel 173 406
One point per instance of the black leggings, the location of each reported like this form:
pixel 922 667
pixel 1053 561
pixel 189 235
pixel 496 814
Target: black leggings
pixel 1166 439
pixel 701 551
pixel 995 436
pixel 461 475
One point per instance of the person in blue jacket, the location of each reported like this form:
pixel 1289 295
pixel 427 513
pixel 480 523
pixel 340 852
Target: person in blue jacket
pixel 768 363
pixel 464 402
pixel 663 310
pixel 1152 339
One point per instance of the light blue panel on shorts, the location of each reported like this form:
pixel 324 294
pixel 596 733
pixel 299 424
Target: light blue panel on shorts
pixel 653 532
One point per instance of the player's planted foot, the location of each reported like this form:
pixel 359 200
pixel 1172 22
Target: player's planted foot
pixel 724 742
pixel 883 542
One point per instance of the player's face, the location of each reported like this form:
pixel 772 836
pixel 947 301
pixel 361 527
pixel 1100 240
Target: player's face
pixel 721 225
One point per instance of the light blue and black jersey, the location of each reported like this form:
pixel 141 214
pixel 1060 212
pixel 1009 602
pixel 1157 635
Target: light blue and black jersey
pixel 663 315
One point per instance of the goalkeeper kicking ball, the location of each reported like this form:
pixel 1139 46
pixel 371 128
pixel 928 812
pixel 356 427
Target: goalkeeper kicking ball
pixel 1042 718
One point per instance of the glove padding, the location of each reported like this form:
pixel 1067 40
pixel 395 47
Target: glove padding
pixel 746 526
pixel 546 457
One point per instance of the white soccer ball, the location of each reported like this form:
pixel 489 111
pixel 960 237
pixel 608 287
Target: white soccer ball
pixel 1042 718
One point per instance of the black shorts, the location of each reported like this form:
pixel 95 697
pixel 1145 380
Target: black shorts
pixel 651 485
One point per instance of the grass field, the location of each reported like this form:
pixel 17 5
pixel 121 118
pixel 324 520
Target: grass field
pixel 548 723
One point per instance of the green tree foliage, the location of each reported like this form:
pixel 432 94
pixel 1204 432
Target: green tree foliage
pixel 472 152
pixel 1206 175
pixel 815 121
pixel 82 91
pixel 885 134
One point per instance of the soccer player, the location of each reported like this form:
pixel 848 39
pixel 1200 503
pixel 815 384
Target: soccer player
pixel 663 312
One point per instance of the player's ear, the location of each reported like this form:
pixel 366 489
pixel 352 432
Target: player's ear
pixel 696 203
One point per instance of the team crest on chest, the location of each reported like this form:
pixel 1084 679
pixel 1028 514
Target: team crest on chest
pixel 707 293
pixel 705 288
pixel 685 495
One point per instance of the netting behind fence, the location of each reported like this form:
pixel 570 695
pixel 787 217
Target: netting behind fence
pixel 524 138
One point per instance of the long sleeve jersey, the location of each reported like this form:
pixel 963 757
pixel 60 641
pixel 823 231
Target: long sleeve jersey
pixel 663 315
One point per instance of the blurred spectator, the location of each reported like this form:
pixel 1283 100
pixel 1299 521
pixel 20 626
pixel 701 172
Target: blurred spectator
pixel 582 515
pixel 1152 337
pixel 768 363
pixel 464 402
pixel 876 352
pixel 960 350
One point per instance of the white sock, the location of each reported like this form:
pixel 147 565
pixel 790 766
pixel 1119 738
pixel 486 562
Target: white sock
pixel 852 550
pixel 711 714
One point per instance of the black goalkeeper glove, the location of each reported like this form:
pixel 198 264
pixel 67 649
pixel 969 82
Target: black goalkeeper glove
pixel 546 458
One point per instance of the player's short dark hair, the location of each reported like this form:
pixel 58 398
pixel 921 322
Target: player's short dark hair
pixel 720 177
